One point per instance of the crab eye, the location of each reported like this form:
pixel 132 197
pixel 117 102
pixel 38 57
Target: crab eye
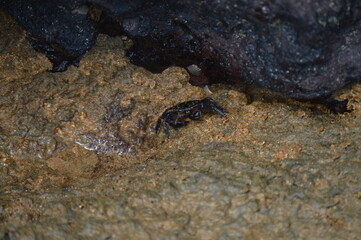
pixel 196 115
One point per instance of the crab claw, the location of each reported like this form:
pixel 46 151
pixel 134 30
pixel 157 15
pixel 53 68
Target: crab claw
pixel 214 106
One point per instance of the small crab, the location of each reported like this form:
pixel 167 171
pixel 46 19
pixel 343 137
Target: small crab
pixel 176 116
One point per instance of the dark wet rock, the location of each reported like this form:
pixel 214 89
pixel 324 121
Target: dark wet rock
pixel 304 50
pixel 62 30
pixel 334 105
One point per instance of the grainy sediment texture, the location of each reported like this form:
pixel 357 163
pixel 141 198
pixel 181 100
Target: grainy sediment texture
pixel 79 157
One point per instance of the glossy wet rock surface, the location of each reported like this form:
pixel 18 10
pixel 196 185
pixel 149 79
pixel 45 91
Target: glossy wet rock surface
pixel 80 157
pixel 304 50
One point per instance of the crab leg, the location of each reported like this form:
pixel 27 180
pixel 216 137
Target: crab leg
pixel 158 125
pixel 165 128
pixel 220 111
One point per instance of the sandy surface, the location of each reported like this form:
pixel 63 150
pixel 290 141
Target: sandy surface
pixel 80 159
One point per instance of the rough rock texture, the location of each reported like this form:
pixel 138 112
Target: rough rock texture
pixel 61 29
pixel 305 49
pixel 79 158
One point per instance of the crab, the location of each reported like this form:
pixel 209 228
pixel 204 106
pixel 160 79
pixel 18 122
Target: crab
pixel 177 116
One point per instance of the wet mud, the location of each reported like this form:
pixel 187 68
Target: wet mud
pixel 79 156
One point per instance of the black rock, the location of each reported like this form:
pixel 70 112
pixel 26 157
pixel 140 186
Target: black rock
pixel 303 49
pixel 61 29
